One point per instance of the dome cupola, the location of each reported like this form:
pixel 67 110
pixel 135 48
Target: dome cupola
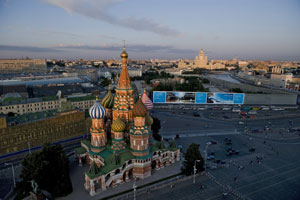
pixel 108 100
pixel 97 111
pixel 147 101
pixel 139 109
pixel 118 125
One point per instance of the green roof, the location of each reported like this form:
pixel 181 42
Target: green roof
pixel 84 98
pixel 173 144
pixel 20 119
pixel 49 98
pixel 87 142
pixel 107 156
pixel 80 150
pixel 93 171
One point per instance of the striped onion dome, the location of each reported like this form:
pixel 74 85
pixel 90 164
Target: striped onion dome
pixel 108 100
pixel 97 111
pixel 139 109
pixel 149 120
pixel 118 125
pixel 147 101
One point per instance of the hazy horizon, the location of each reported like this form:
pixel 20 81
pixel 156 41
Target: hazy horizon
pixel 91 29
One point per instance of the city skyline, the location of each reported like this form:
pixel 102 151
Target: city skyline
pixel 91 29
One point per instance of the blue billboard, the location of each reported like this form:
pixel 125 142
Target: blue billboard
pixel 200 97
pixel 197 97
pixel 159 97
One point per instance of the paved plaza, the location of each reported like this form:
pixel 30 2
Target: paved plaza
pixel 275 176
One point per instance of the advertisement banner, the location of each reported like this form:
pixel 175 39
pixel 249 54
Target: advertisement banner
pixel 197 97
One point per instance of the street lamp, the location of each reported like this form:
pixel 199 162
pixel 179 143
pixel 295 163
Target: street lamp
pixel 207 144
pixel 195 170
pixel 134 190
pixel 13 171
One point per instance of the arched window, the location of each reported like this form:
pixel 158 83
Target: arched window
pixel 117 171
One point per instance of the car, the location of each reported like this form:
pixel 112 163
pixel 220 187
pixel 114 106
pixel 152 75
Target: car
pixel 228 142
pixel 217 161
pixel 211 153
pixel 228 154
pixel 201 108
pixel 225 117
pixel 252 149
pixel 196 114
pixel 236 110
pixel 226 108
pixel 213 142
pixel 253 112
pixel 229 149
pixel 240 122
pixel 223 162
pixel 211 157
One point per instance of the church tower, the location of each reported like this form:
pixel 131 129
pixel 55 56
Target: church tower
pixel 124 101
pixel 98 134
pixel 139 141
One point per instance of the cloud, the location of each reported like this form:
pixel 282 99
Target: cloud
pixel 131 48
pixel 27 48
pixel 96 9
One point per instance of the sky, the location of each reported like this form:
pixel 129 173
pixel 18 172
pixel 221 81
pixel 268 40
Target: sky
pixel 152 29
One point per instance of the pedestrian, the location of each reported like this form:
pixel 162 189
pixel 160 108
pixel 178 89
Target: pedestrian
pixel 235 178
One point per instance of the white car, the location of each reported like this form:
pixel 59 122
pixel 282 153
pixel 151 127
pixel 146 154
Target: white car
pixel 241 123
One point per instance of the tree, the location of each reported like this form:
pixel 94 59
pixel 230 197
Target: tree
pixel 49 168
pixel 155 129
pixel 190 156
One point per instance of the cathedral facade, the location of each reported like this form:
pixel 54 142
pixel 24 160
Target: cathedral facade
pixel 121 147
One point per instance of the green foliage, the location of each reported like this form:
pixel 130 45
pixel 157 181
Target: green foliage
pixel 191 84
pixel 148 76
pixel 13 99
pixel 195 71
pixel 192 154
pixel 49 98
pixel 105 81
pixel 49 168
pixel 155 129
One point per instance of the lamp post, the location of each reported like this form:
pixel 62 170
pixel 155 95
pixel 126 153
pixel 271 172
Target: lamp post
pixel 13 171
pixel 207 144
pixel 134 190
pixel 195 170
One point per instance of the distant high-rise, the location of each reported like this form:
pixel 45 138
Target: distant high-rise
pixel 201 60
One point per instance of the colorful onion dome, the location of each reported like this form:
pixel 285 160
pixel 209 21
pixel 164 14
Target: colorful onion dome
pixel 118 125
pixel 97 111
pixel 149 120
pixel 147 101
pixel 108 100
pixel 139 109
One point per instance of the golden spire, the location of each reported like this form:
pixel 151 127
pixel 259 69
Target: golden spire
pixel 124 80
pixel 124 53
pixel 97 98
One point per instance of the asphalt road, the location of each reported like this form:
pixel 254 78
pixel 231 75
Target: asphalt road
pixel 183 122
pixel 276 176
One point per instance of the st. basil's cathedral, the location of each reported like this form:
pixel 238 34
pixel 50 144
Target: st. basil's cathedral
pixel 121 147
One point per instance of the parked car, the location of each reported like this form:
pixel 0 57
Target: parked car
pixel 252 149
pixel 196 114
pixel 211 157
pixel 213 142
